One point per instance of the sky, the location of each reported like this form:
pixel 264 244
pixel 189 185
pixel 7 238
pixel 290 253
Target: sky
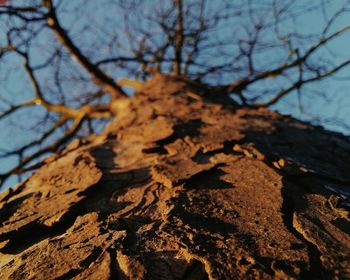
pixel 332 112
pixel 337 103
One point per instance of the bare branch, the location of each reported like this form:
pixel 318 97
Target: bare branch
pixel 300 83
pixel 179 38
pixel 116 60
pixel 59 123
pixel 18 169
pixel 98 76
pixel 12 109
pixel 242 84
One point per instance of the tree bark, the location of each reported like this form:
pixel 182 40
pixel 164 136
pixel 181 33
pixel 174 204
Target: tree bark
pixel 184 184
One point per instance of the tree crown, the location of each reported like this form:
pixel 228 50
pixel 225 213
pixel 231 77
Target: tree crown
pixel 72 58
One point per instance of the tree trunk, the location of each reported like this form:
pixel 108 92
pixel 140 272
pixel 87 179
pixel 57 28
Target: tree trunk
pixel 184 184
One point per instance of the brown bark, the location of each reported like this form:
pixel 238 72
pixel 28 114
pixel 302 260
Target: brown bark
pixel 184 185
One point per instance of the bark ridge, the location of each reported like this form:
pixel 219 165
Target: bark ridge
pixel 184 184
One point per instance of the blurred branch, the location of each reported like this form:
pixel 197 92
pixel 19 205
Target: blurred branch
pixel 179 38
pixel 240 85
pixel 92 111
pixel 300 83
pixel 98 76
pixel 18 169
pixel 14 108
pixel 115 60
pixel 38 141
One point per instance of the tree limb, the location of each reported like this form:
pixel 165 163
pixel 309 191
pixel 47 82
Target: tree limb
pixel 98 76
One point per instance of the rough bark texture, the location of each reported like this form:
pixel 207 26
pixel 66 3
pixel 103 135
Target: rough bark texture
pixel 184 185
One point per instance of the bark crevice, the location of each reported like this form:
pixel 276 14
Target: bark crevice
pixel 195 188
